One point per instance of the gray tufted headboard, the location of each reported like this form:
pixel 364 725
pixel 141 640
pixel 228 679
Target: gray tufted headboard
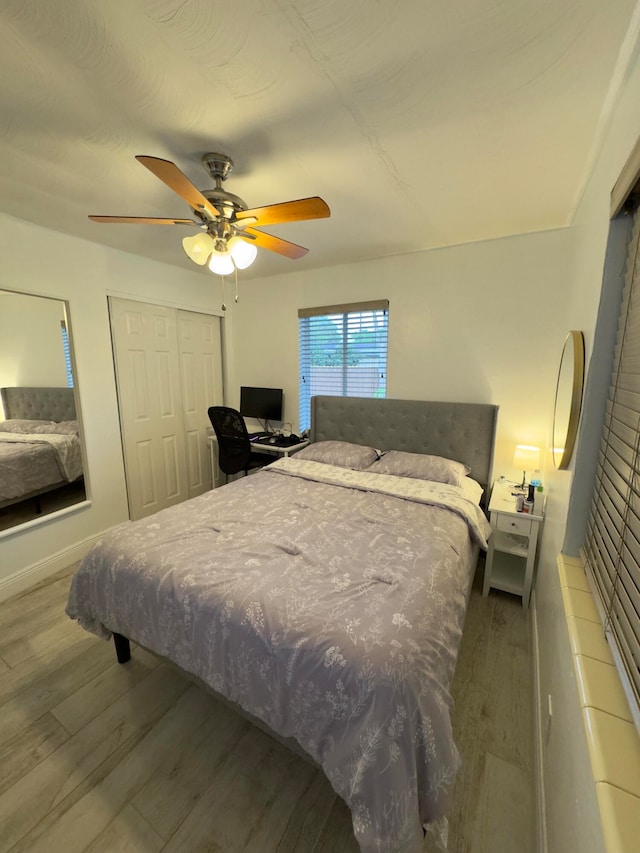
pixel 39 404
pixel 461 431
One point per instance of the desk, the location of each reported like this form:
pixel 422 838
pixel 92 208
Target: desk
pixel 218 478
pixel 264 447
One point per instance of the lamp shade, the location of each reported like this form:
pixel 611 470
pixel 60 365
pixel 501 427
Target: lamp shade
pixel 198 247
pixel 221 263
pixel 242 252
pixel 526 457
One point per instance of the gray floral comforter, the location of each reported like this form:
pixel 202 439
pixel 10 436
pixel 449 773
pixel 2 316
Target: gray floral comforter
pixel 328 603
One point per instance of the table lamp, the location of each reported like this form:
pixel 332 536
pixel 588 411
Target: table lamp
pixel 526 457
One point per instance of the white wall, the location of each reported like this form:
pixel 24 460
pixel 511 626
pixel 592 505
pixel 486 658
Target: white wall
pixel 83 273
pixel 567 772
pixel 483 323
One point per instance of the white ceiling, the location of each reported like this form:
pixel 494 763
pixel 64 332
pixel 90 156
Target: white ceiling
pixel 420 123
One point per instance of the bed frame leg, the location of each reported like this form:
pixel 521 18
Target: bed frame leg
pixel 123 650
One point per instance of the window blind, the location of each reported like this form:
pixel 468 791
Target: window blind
pixel 612 547
pixel 343 352
pixel 67 353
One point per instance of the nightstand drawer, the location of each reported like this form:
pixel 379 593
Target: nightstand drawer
pixel 514 524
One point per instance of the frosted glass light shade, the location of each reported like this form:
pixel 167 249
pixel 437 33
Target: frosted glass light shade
pixel 221 263
pixel 198 247
pixel 243 253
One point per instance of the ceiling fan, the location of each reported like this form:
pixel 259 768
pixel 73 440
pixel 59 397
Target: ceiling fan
pixel 226 237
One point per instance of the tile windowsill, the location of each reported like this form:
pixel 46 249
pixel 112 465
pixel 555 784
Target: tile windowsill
pixel 613 740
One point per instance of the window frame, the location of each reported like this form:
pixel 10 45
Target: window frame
pixel 346 312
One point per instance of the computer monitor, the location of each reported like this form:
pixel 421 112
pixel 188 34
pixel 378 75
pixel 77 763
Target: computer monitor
pixel 264 404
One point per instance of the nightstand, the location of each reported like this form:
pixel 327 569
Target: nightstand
pixel 512 546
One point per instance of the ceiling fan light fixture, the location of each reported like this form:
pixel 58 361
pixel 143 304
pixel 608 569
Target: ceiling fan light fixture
pixel 199 247
pixel 222 216
pixel 242 252
pixel 221 263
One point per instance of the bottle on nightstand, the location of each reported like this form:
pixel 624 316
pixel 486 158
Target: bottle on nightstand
pixel 538 500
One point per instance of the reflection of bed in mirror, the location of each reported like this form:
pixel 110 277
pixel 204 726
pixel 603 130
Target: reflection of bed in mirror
pixel 40 452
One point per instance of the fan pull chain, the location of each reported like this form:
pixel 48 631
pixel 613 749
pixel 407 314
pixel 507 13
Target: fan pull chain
pixel 236 272
pixel 224 306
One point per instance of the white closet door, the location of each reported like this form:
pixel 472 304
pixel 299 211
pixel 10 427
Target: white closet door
pixel 148 376
pixel 200 350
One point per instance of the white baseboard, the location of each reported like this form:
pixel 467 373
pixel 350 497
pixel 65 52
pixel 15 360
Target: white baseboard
pixel 25 578
pixel 538 736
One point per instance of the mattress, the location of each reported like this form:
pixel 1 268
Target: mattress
pixel 329 604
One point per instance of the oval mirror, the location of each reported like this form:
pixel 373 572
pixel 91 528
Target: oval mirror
pixel 568 403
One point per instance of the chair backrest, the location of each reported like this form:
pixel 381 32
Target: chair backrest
pixel 234 447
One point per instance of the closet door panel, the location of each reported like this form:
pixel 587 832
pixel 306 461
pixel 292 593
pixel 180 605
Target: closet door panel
pixel 141 410
pixel 189 378
pixel 148 490
pixel 194 457
pixel 172 467
pixel 149 394
pixel 199 343
pixel 166 384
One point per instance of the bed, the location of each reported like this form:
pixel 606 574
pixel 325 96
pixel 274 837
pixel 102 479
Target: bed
pixel 325 595
pixel 39 443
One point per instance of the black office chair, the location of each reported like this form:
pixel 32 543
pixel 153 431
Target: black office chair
pixel 234 447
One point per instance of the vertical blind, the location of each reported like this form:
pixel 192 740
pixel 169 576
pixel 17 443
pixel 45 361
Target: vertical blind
pixel 343 352
pixel 612 547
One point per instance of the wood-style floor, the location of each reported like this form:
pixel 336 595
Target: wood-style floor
pixel 104 758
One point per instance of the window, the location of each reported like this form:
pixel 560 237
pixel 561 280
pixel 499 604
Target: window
pixel 612 548
pixel 343 352
pixel 67 353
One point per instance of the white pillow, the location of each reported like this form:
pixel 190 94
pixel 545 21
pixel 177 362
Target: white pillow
pixel 341 453
pixel 472 489
pixel 420 466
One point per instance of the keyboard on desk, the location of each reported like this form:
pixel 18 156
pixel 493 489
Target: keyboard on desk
pixel 278 440
pixel 259 436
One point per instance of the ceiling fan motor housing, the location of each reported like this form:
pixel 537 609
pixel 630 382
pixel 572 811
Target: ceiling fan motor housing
pixel 219 167
pixel 227 203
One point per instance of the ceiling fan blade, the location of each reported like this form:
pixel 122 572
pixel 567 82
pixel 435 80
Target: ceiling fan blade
pixel 288 211
pixel 142 220
pixel 169 174
pixel 274 244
